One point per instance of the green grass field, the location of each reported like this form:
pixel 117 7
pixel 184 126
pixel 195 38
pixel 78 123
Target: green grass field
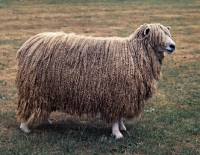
pixel 170 123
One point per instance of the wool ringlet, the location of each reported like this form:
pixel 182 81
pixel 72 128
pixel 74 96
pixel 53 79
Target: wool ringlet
pixel 88 75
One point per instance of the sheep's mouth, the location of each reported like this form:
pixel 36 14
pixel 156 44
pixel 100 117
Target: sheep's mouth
pixel 169 51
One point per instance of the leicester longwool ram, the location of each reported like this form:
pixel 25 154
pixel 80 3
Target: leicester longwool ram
pixel 112 77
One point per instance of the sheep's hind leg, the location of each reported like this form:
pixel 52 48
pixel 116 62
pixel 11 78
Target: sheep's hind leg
pixel 115 130
pixel 121 125
pixel 47 122
pixel 24 126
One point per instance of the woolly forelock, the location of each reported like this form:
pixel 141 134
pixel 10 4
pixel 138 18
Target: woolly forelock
pixel 88 75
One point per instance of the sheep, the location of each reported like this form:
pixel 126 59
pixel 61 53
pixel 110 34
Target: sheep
pixel 75 74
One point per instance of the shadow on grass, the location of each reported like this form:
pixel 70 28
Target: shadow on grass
pixel 76 129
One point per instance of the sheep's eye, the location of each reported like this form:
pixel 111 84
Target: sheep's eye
pixel 168 27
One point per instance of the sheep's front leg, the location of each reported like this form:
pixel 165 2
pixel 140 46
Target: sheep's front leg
pixel 121 125
pixel 115 130
pixel 24 126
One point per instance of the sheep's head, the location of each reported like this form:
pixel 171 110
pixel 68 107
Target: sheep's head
pixel 159 37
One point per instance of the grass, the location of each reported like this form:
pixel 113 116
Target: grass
pixel 170 123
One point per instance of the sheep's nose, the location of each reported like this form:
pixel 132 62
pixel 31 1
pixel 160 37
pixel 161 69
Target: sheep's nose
pixel 172 46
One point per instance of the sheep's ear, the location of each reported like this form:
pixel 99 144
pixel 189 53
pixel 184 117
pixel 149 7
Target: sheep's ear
pixel 146 31
pixel 168 27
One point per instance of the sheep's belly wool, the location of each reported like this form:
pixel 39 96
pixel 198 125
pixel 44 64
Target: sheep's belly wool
pixel 84 75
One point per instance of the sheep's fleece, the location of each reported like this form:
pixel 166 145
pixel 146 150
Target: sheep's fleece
pixel 80 75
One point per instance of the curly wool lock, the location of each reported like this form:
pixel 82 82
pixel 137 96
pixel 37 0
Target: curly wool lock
pixel 88 75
